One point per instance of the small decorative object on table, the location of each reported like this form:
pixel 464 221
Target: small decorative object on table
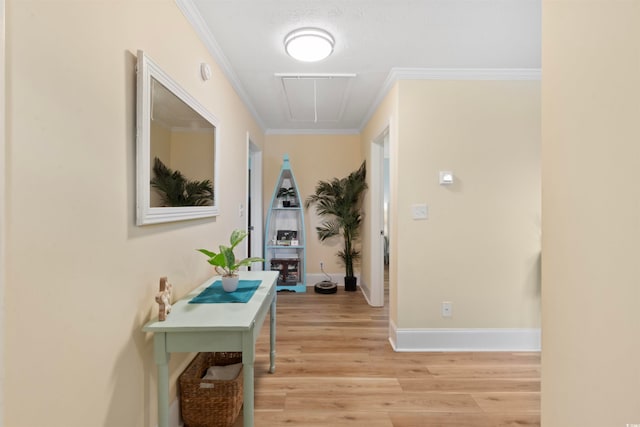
pixel 225 261
pixel 163 298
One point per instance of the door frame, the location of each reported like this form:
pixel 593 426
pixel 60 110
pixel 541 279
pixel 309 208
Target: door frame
pixel 376 210
pixel 254 196
pixel 3 169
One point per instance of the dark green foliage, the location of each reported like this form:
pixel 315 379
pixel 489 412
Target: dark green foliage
pixel 286 192
pixel 340 201
pixel 176 190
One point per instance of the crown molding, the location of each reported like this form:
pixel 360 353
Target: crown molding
pixel 312 132
pixel 498 74
pixel 194 18
pixel 397 73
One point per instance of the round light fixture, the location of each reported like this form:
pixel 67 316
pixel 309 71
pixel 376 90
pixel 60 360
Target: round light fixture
pixel 309 44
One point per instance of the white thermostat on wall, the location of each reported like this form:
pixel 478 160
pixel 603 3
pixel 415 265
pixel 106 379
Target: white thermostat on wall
pixel 446 177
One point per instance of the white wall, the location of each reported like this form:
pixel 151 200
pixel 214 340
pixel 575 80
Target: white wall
pixel 80 276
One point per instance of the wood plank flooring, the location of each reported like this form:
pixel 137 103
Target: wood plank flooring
pixel 335 367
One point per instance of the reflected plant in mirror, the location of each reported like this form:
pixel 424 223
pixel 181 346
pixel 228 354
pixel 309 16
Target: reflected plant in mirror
pixel 175 189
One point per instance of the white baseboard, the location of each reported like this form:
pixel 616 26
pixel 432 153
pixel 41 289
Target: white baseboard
pixel 497 339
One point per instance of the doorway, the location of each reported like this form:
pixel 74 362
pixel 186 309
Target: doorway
pixel 3 168
pixel 379 232
pixel 254 203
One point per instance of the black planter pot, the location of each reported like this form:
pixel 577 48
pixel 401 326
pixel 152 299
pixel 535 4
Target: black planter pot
pixel 350 283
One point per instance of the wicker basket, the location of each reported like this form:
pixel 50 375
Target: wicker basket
pixel 210 403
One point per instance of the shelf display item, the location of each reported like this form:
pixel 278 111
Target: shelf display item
pixel 285 233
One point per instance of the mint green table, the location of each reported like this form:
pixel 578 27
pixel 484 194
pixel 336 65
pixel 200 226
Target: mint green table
pixel 215 327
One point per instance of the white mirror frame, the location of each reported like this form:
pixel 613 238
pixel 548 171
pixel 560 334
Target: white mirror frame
pixel 145 214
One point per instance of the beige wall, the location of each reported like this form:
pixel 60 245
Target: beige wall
pixel 193 153
pixel 81 277
pixel 480 246
pixel 591 211
pixel 313 158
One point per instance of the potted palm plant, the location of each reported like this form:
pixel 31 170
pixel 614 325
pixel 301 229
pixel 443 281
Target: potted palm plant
pixel 339 202
pixel 176 190
pixel 225 262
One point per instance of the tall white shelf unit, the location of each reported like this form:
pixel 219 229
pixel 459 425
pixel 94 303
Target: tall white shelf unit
pixel 285 243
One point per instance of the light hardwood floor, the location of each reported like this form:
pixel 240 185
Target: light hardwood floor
pixel 335 367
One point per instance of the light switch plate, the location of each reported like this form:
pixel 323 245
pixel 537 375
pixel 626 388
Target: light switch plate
pixel 419 211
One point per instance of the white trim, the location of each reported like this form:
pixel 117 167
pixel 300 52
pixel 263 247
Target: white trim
pixel 398 73
pixel 312 132
pixel 254 163
pixel 147 72
pixel 3 169
pixel 375 294
pixel 193 16
pixel 366 290
pixel 506 339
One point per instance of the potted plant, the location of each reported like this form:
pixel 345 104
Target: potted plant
pixel 285 193
pixel 225 262
pixel 339 201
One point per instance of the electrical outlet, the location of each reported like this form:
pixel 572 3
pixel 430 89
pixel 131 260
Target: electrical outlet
pixel 447 309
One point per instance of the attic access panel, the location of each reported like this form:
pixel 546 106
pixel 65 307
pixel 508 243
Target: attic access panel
pixel 316 98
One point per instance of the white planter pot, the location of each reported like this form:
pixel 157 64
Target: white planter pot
pixel 230 283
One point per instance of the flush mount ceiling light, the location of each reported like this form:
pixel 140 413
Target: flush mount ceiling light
pixel 309 44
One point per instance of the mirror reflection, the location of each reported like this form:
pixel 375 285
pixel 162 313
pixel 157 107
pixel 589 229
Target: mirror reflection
pixel 176 150
pixel 182 152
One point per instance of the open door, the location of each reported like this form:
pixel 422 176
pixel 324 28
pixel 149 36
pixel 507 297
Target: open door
pixel 379 237
pixel 254 203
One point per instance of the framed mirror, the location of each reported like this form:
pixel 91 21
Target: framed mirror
pixel 176 150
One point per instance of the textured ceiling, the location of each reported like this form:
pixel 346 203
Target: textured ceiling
pixel 373 39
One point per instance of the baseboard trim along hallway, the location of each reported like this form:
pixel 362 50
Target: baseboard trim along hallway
pixel 464 339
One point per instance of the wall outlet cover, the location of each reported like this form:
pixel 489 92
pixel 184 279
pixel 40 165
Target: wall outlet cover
pixel 419 211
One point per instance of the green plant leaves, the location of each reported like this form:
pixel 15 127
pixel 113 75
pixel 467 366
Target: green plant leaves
pixel 225 261
pixel 176 190
pixel 340 200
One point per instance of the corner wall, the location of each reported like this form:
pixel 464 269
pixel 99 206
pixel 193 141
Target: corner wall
pixel 591 213
pixel 81 277
pixel 480 246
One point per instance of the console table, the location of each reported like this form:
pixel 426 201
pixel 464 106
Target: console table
pixel 215 327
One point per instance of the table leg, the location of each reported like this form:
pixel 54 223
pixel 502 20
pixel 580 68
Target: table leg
pixel 272 334
pixel 162 360
pixel 248 358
